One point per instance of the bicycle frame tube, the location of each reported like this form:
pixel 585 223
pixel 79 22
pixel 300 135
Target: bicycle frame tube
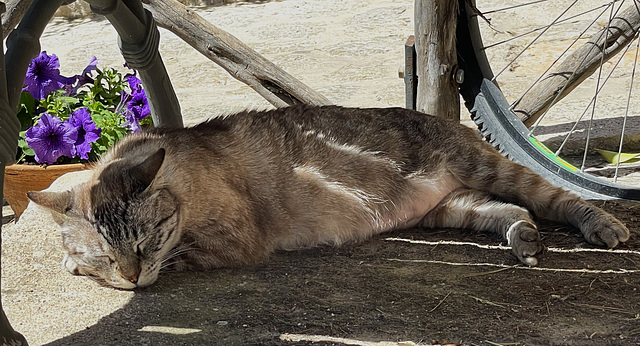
pixel 138 40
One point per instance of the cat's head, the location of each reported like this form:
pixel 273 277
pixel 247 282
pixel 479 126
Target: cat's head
pixel 121 226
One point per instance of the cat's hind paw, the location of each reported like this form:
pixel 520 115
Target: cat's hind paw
pixel 525 242
pixel 605 231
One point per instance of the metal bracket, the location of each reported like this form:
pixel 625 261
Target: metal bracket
pixel 410 77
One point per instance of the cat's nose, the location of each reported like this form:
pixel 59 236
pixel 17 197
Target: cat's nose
pixel 134 279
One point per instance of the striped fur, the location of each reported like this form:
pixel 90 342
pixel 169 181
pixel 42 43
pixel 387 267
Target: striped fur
pixel 234 189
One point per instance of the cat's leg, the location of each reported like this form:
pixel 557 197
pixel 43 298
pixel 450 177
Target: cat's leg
pixel 466 208
pixel 545 200
pixel 487 170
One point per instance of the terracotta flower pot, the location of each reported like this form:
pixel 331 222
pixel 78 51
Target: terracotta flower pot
pixel 20 179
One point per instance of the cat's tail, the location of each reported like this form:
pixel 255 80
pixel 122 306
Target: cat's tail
pixel 490 172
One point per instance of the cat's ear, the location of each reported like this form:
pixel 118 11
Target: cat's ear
pixel 148 169
pixel 57 201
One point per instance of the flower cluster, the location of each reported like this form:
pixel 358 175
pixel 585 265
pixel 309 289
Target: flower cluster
pixel 74 119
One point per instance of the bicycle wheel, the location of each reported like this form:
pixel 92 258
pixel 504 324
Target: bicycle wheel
pixel 494 84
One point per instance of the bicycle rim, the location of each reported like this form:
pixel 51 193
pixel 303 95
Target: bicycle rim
pixel 484 92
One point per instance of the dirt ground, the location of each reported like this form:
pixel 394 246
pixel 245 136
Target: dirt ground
pixel 385 289
pixel 447 286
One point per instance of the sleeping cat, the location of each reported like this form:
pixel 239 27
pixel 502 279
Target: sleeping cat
pixel 234 189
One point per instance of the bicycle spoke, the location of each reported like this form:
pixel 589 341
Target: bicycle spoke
pixel 595 101
pixel 544 26
pixel 534 40
pixel 577 122
pixel 514 6
pixel 626 111
pixel 535 125
pixel 553 64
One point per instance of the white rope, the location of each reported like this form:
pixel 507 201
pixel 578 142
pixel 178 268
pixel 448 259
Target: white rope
pixel 345 341
pixel 502 247
pixel 566 270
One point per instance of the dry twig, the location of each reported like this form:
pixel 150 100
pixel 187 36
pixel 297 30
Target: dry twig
pixel 440 303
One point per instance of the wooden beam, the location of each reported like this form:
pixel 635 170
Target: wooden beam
pixel 15 11
pixel 243 63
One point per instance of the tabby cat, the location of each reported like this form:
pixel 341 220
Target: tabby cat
pixel 234 189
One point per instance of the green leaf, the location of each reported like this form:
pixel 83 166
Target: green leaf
pixel 27 110
pixel 23 149
pixel 613 157
pixel 28 102
pixel 68 99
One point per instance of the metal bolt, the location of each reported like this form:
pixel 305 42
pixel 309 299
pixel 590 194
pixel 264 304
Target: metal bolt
pixel 459 76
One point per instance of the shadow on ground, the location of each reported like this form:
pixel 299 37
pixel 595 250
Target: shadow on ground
pixel 392 290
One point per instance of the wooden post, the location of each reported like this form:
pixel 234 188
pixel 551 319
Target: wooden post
pixel 435 32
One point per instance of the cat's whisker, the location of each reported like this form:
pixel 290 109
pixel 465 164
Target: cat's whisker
pixel 100 281
pixel 182 248
pixel 168 267
pixel 175 252
pixel 93 278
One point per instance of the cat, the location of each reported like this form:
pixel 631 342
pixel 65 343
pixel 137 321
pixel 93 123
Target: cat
pixel 233 189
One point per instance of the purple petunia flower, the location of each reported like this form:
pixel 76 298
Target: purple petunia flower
pixel 139 105
pixel 131 123
pixel 137 102
pixel 43 76
pixel 134 106
pixel 51 138
pixel 85 77
pixel 87 131
pixel 134 82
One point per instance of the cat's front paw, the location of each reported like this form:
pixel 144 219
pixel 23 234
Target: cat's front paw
pixel 605 230
pixel 525 243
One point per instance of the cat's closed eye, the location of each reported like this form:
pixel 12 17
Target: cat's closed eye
pixel 107 258
pixel 138 250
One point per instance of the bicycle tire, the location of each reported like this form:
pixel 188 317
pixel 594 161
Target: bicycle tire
pixel 504 130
